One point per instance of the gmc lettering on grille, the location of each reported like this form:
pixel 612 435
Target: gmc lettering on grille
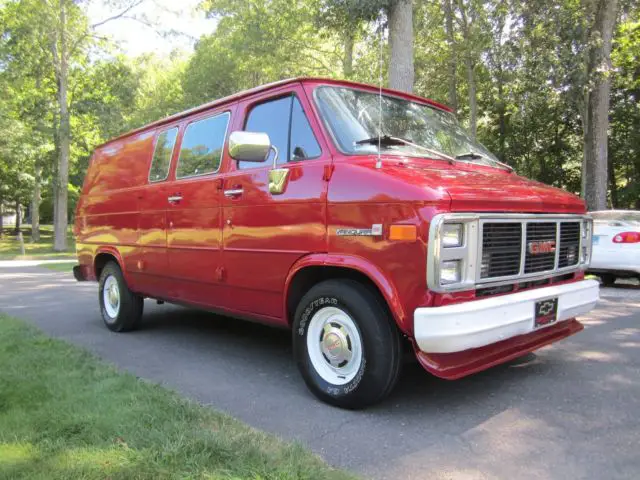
pixel 537 248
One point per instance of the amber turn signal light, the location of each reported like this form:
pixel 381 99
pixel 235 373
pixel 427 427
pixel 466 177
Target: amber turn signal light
pixel 404 233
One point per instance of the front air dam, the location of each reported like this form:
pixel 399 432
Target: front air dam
pixel 456 365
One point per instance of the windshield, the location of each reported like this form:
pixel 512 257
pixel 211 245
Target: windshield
pixel 353 116
pixel 630 216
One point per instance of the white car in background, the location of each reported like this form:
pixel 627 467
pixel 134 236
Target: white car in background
pixel 616 245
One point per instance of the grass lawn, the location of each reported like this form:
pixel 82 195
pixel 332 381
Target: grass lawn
pixel 42 250
pixel 66 415
pixel 60 267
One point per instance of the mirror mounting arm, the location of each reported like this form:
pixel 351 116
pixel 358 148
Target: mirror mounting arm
pixel 275 156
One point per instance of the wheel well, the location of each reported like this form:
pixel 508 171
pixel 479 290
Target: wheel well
pixel 101 260
pixel 310 276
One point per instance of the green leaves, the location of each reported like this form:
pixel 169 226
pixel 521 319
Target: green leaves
pixel 528 61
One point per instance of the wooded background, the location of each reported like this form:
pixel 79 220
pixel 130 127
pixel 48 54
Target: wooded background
pixel 552 87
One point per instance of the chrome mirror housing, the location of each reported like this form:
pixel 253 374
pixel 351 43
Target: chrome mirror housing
pixel 249 146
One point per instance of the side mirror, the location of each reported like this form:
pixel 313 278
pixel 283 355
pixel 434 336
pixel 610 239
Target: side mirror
pixel 249 146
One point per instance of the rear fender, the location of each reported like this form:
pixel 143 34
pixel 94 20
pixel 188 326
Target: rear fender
pixel 114 252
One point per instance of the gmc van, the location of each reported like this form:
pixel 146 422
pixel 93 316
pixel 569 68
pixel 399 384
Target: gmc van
pixel 364 221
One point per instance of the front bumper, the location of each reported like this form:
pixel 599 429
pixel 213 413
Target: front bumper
pixel 79 272
pixel 474 324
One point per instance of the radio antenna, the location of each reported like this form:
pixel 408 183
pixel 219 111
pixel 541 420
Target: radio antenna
pixel 380 26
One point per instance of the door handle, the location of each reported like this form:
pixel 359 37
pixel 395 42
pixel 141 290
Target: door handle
pixel 234 192
pixel 174 198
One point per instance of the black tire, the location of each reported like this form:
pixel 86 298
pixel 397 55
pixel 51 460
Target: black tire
pixel 607 279
pixel 379 338
pixel 129 311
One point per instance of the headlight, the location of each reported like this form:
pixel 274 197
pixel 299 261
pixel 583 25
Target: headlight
pixel 452 235
pixel 452 252
pixel 450 272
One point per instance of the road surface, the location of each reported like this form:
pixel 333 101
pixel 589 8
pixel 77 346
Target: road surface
pixel 569 411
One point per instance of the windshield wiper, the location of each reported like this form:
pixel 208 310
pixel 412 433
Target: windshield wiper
pixel 389 140
pixel 479 156
pixel 469 156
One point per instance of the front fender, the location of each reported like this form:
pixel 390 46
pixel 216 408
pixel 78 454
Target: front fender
pixel 359 264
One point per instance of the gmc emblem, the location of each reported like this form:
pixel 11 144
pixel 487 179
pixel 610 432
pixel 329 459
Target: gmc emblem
pixel 540 247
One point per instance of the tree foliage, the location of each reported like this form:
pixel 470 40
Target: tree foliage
pixel 516 72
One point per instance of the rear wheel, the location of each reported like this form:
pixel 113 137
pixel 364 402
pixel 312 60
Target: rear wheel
pixel 608 279
pixel 347 348
pixel 121 308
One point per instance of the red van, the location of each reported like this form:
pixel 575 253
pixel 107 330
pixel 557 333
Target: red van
pixel 365 222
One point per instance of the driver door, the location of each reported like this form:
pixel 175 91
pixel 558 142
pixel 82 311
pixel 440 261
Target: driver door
pixel 265 232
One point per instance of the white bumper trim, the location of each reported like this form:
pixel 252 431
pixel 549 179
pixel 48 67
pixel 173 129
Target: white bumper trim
pixel 458 327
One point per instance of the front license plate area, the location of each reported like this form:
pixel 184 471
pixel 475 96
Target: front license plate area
pixel 546 312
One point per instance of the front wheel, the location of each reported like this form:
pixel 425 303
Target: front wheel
pixel 346 345
pixel 121 308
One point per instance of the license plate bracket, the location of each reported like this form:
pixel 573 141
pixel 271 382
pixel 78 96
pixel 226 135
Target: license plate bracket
pixel 546 312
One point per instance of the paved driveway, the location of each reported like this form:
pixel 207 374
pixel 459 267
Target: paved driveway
pixel 570 411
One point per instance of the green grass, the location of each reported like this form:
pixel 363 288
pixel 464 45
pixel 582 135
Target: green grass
pixel 60 267
pixel 42 250
pixel 66 415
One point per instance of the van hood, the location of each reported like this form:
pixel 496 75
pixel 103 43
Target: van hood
pixel 474 188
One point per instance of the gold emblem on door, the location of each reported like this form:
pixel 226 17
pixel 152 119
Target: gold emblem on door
pixel 278 180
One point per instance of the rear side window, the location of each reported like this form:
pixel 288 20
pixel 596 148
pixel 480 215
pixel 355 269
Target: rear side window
pixel 162 155
pixel 202 145
pixel 288 129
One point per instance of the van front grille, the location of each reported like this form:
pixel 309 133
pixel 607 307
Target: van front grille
pixel 540 233
pixel 544 250
pixel 501 249
pixel 569 244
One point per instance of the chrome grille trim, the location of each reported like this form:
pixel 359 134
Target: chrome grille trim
pixel 567 232
pixel 535 228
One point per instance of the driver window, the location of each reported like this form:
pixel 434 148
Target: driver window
pixel 271 118
pixel 286 124
pixel 303 142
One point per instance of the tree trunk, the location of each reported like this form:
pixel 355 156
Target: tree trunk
pixel 54 166
pixel 633 175
pixel 612 183
pixel 60 206
pixel 347 60
pixel 1 219
pixel 35 203
pixel 600 71
pixel 453 61
pixel 473 104
pixel 589 7
pixel 585 129
pixel 18 217
pixel 401 72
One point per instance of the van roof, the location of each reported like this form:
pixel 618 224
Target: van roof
pixel 269 86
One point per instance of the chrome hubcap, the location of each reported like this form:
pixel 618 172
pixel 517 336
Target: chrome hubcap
pixel 334 345
pixel 111 296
